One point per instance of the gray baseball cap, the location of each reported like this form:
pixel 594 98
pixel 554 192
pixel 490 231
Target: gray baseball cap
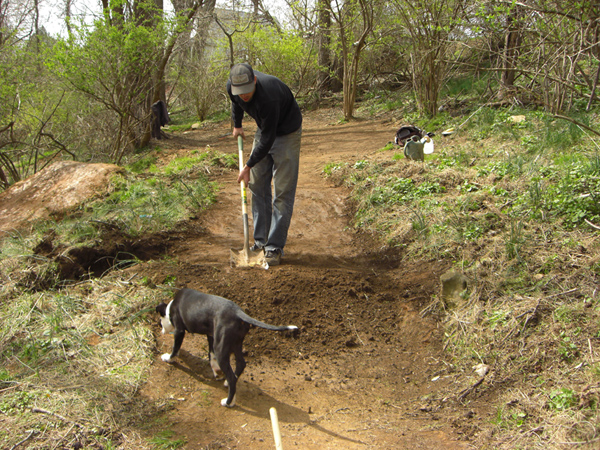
pixel 242 79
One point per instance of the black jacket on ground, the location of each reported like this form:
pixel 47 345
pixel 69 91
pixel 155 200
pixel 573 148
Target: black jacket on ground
pixel 274 109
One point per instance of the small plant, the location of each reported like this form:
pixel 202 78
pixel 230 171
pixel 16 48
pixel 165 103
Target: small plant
pixel 389 146
pixel 567 349
pixel 515 240
pixel 508 419
pixel 564 314
pixel 170 280
pixel 536 194
pixel 497 319
pixel 164 441
pixel 562 399
pixel 5 376
pixel 467 187
pixel 330 168
pixel 419 222
pixel 16 402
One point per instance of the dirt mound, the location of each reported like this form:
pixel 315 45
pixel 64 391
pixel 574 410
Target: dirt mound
pixel 52 191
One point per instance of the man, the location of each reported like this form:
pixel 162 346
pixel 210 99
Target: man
pixel 275 153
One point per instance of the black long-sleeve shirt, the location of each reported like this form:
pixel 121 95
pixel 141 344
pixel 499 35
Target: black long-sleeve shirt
pixel 274 109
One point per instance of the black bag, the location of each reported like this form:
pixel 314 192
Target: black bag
pixel 406 132
pixel 160 117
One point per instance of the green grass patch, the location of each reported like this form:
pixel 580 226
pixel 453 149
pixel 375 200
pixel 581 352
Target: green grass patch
pixel 511 200
pixel 165 441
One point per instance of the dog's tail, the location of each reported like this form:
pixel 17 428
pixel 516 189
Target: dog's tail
pixel 246 318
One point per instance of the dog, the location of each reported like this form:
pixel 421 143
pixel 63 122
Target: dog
pixel 224 324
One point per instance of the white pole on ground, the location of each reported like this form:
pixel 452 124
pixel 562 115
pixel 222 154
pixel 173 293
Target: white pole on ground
pixel 276 433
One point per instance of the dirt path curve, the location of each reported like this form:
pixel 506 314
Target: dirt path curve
pixel 359 374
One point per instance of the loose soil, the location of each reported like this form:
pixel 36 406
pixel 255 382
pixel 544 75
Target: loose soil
pixel 365 371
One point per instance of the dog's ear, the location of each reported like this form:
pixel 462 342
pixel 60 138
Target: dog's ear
pixel 162 309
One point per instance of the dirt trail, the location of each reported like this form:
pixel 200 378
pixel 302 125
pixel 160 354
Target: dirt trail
pixel 359 374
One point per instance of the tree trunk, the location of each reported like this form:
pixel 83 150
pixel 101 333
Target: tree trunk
pixel 68 4
pixel 157 91
pixel 510 53
pixel 350 80
pixel 323 42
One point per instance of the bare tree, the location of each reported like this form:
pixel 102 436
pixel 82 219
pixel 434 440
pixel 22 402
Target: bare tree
pixel 324 43
pixel 3 20
pixel 510 53
pixel 429 25
pixel 67 11
pixel 549 51
pixel 229 31
pixel 354 21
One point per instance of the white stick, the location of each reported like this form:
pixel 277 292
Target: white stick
pixel 276 433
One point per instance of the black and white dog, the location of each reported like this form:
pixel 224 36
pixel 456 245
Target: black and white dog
pixel 224 324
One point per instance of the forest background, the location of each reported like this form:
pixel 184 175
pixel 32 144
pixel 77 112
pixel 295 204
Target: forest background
pixel 92 86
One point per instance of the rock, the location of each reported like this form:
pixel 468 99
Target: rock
pixel 481 369
pixel 517 119
pixel 56 189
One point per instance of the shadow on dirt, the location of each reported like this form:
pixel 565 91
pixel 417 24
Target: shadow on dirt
pixel 198 368
pixel 111 250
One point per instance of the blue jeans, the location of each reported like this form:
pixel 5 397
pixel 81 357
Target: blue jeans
pixel 272 210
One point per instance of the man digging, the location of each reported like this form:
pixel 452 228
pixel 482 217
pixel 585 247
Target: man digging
pixel 275 153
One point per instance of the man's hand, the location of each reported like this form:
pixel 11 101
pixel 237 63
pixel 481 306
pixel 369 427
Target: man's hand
pixel 244 175
pixel 239 132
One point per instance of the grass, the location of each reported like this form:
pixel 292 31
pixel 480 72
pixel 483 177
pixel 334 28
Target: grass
pixel 152 204
pixel 508 203
pixel 76 357
pixel 165 441
pixel 148 199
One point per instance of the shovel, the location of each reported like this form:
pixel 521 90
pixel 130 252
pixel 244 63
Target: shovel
pixel 246 257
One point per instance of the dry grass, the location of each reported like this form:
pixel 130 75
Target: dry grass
pixel 531 313
pixel 73 362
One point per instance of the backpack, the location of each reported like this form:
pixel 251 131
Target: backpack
pixel 406 132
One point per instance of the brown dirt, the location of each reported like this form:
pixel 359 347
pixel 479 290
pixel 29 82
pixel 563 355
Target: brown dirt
pixel 359 375
pixel 365 371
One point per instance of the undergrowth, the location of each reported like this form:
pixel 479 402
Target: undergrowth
pixel 73 361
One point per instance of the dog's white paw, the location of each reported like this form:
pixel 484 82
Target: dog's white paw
pixel 226 384
pixel 224 403
pixel 166 357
